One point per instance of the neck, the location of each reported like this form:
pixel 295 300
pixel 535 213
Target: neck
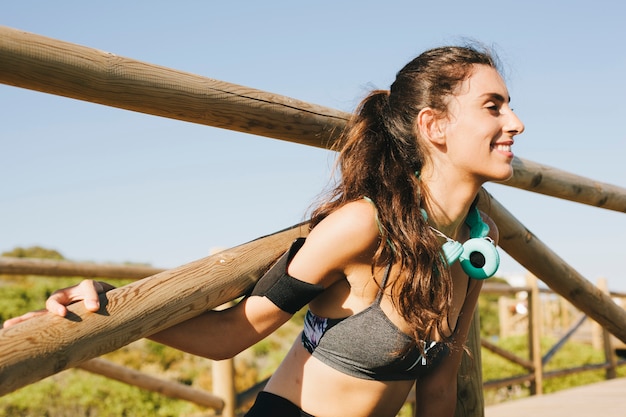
pixel 448 203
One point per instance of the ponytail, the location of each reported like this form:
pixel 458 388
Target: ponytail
pixel 380 157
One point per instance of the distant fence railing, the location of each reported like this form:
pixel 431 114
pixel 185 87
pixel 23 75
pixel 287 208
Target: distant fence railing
pixel 537 318
pixel 52 66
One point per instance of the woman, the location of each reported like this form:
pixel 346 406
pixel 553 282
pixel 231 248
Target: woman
pixel 388 306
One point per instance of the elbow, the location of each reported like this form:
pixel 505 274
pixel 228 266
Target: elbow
pixel 226 348
pixel 221 354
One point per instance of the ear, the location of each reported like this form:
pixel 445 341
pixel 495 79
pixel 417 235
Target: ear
pixel 429 126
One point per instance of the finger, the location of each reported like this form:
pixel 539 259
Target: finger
pixel 56 304
pixel 90 290
pixel 19 319
pixel 85 291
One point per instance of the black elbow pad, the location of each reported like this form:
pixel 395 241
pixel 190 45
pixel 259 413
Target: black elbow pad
pixel 288 293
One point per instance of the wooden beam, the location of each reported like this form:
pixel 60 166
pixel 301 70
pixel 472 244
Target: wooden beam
pixel 62 68
pixel 52 66
pixel 43 64
pixel 51 268
pixel 43 346
pixel 169 388
pixel 546 265
pixel 543 179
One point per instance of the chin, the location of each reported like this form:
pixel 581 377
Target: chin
pixel 506 176
pixel 499 176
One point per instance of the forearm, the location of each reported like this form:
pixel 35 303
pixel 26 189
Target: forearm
pixel 435 402
pixel 436 394
pixel 204 335
pixel 223 334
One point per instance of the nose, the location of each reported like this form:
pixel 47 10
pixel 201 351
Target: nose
pixel 514 125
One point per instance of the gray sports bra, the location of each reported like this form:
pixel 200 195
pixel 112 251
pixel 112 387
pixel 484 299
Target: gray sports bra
pixel 368 345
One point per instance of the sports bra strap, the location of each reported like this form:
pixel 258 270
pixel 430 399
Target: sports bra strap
pixel 379 296
pixel 388 269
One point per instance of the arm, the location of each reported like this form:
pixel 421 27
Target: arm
pixel 222 334
pixel 208 335
pixel 330 250
pixel 436 394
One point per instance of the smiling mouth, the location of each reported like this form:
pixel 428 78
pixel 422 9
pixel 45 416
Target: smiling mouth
pixel 502 148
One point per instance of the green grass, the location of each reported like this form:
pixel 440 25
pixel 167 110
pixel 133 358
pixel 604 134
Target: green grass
pixel 75 393
pixel 571 355
pixel 78 393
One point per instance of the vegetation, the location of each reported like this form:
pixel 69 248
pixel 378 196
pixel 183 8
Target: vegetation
pixel 74 392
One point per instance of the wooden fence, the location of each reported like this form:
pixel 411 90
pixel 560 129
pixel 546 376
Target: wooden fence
pixel 169 297
pixel 551 317
pixel 542 314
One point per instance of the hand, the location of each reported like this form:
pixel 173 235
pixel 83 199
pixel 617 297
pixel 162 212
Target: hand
pixel 87 291
pixel 23 317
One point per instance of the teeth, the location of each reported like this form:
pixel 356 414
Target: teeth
pixel 503 148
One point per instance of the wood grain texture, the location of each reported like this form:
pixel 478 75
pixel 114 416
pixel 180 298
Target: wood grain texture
pixel 546 265
pixel 62 68
pixel 43 346
pixel 40 348
pixel 43 64
pixel 554 182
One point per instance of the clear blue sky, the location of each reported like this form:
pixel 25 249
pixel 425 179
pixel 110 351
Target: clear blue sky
pixel 107 185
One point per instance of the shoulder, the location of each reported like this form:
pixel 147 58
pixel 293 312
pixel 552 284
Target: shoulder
pixel 354 226
pixel 348 236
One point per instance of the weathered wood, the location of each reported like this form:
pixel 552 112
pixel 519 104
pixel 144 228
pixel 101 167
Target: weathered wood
pixel 47 267
pixel 607 342
pixel 540 260
pixel 543 179
pixel 223 373
pixel 40 347
pixel 534 335
pixel 52 66
pixel 43 64
pixel 169 388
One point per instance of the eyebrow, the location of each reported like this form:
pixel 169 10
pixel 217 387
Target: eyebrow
pixel 497 96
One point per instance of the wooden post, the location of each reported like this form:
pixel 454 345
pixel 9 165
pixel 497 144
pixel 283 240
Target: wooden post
pixel 224 385
pixel 38 63
pixel 534 334
pixel 134 311
pixel 224 380
pixel 607 343
pixel 565 313
pixel 504 316
pixel 539 259
pixel 470 401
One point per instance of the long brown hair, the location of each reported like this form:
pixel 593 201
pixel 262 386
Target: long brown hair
pixel 380 157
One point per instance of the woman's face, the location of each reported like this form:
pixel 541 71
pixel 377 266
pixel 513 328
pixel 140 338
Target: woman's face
pixel 480 126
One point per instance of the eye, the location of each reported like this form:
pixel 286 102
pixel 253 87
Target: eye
pixel 492 107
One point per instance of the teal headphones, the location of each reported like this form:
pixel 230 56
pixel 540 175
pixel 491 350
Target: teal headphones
pixel 478 256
